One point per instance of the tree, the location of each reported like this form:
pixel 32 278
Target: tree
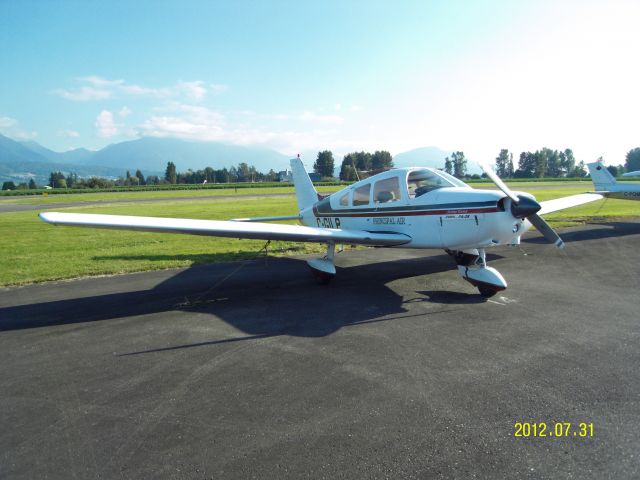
pixel 324 164
pixel 567 161
pixel 448 166
pixel 32 184
pixel 459 164
pixel 140 176
pixel 553 166
pixel 579 170
pixel 526 165
pixel 360 161
pixel 347 172
pixel 170 174
pixel 271 176
pixel 350 164
pixel 8 185
pixel 72 179
pixel 633 160
pixel 57 180
pixel 504 164
pixel 222 176
pixel 381 160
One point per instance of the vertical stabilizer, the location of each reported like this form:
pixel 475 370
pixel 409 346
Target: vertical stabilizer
pixel 305 191
pixel 603 181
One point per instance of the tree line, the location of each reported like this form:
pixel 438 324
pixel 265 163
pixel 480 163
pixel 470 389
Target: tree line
pixel 543 163
pixel 547 163
pixel 241 173
pixel 11 185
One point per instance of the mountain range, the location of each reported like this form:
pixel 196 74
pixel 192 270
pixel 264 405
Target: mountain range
pixel 20 161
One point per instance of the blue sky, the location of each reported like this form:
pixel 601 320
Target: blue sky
pixel 345 75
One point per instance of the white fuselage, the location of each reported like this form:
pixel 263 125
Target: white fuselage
pixel 624 191
pixel 450 217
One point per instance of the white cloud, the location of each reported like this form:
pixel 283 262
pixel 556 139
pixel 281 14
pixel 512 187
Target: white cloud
pixel 125 112
pixel 217 88
pixel 105 125
pixel 99 88
pixel 309 116
pixel 186 121
pixel 83 94
pixel 23 135
pixel 195 122
pixel 68 133
pixel 6 122
pixel 9 126
pixel 101 82
pixel 193 90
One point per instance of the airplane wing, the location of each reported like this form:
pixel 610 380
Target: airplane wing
pixel 567 202
pixel 233 229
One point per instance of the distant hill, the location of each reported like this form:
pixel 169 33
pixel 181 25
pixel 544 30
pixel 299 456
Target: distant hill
pixel 10 150
pixel 79 155
pixel 20 161
pixel 150 153
pixel 429 157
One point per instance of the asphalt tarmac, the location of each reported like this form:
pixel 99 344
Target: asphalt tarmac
pixel 396 370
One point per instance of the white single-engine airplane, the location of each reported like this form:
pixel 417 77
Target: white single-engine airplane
pixel 405 207
pixel 606 184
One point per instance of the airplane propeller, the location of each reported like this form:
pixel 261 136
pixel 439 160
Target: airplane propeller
pixel 525 207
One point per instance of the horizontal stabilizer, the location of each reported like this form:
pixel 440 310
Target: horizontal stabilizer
pixel 215 228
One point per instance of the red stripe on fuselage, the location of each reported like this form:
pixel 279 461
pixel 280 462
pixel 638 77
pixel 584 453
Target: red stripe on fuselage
pixel 460 211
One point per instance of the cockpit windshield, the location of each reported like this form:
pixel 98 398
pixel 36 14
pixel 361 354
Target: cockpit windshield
pixel 425 180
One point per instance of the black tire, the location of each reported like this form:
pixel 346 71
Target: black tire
pixel 487 292
pixel 323 278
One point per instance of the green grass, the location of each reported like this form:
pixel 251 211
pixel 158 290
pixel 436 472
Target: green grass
pixel 33 251
pixel 137 195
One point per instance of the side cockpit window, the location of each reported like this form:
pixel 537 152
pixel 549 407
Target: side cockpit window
pixel 387 190
pixel 424 181
pixel 361 195
pixel 344 200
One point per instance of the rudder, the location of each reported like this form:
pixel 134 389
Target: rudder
pixel 306 193
pixel 602 178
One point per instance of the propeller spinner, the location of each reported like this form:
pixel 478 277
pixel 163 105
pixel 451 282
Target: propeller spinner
pixel 525 207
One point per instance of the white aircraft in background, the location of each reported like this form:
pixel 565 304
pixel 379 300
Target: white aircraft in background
pixel 606 184
pixel 405 207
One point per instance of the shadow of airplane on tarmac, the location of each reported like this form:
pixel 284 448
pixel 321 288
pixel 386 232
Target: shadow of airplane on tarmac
pixel 262 298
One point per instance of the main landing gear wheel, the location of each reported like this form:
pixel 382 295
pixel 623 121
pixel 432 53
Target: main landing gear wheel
pixel 472 266
pixel 323 268
pixel 323 278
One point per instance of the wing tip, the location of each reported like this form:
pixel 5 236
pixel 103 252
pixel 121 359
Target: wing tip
pixel 48 217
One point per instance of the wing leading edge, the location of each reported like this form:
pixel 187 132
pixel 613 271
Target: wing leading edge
pixel 550 206
pixel 217 228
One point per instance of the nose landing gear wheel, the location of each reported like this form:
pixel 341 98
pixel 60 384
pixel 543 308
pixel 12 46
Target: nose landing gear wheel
pixel 487 292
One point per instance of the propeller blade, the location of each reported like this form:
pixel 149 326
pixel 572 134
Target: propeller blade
pixel 544 228
pixel 499 183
